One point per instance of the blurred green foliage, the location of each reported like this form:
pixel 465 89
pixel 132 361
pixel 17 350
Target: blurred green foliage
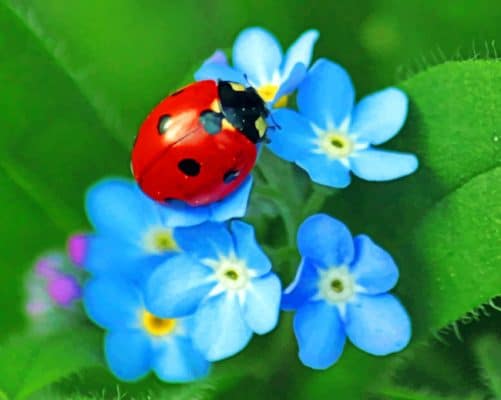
pixel 31 363
pixel 76 80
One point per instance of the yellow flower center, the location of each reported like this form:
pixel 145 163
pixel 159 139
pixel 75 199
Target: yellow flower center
pixel 157 326
pixel 268 92
pixel 161 240
pixel 336 145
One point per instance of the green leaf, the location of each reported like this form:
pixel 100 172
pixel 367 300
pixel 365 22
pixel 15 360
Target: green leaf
pixel 126 64
pixel 455 254
pixel 488 352
pixel 403 35
pixel 31 363
pixel 52 147
pixel 444 366
pixel 402 393
pixel 442 223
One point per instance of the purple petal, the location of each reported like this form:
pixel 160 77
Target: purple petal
pixel 77 249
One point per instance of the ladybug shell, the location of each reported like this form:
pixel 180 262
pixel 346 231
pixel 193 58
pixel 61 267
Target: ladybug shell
pixel 174 157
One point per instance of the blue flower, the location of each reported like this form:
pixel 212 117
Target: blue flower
pixel 330 136
pixel 137 341
pixel 134 233
pixel 226 280
pixel 341 290
pixel 259 61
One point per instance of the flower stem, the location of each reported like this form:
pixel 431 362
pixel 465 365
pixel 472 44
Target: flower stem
pixel 315 200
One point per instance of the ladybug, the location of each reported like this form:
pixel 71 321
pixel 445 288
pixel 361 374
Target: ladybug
pixel 200 143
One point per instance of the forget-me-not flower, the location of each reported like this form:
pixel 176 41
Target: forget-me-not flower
pixel 341 290
pixel 258 60
pixel 331 136
pixel 134 233
pixel 226 280
pixel 138 341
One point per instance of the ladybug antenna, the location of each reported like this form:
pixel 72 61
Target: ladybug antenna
pixel 247 79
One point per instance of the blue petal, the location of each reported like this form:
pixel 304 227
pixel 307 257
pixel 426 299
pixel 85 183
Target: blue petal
pixel 379 117
pixel 291 83
pixel 381 165
pixel 378 324
pixel 300 51
pixel 112 256
pixel 303 288
pixel 176 360
pixel 218 57
pixel 247 248
pixel 177 287
pixel 293 138
pixel 220 329
pixel 117 208
pixel 373 268
pixel 325 171
pixel 233 205
pixel 320 334
pixel 128 354
pixel 326 96
pixel 215 70
pixel 112 303
pixel 209 240
pixel 325 240
pixel 262 303
pixel 178 213
pixel 258 54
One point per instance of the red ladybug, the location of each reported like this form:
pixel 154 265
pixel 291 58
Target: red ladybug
pixel 199 144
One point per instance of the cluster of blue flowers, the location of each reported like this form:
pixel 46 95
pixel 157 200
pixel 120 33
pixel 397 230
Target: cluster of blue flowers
pixel 178 287
pixel 139 245
pixel 330 135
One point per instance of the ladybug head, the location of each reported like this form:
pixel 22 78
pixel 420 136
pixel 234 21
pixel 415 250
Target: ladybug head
pixel 244 109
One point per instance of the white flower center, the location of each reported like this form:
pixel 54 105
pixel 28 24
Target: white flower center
pixel 160 240
pixel 336 285
pixel 335 144
pixel 231 272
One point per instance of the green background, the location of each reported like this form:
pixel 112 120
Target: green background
pixel 76 80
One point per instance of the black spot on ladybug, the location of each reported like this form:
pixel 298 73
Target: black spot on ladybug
pixel 177 92
pixel 231 175
pixel 189 166
pixel 163 124
pixel 168 200
pixel 211 121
